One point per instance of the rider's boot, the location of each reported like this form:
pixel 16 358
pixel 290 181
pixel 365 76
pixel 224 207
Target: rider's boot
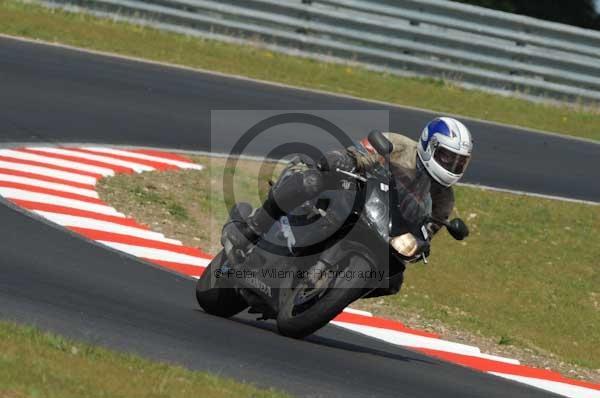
pixel 244 230
pixel 241 233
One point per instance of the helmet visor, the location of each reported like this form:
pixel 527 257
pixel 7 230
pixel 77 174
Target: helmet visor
pixel 451 161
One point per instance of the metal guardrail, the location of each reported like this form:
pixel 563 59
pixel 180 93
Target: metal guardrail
pixel 474 46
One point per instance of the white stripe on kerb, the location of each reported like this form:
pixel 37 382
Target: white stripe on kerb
pixel 568 390
pixel 180 164
pixel 104 226
pixel 49 172
pixel 57 162
pixel 157 254
pixel 499 359
pixel 49 185
pixel 138 168
pixel 358 312
pixel 415 341
pixel 14 193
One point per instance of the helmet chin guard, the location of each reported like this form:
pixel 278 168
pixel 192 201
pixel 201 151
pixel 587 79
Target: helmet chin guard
pixel 445 150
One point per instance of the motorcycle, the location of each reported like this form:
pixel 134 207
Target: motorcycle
pixel 351 242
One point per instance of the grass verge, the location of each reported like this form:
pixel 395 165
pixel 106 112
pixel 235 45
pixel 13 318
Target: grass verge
pixel 33 21
pixel 526 279
pixel 37 364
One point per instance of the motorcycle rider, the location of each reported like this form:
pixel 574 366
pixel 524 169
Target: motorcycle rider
pixel 443 151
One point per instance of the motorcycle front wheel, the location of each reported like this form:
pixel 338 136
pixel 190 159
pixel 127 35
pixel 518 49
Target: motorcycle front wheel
pixel 299 317
pixel 213 296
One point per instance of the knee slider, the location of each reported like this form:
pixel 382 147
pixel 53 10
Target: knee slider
pixel 313 182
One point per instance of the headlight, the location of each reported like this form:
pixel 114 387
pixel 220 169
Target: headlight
pixel 376 211
pixel 405 244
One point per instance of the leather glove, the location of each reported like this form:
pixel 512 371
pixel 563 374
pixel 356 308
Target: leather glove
pixel 363 161
pixel 336 160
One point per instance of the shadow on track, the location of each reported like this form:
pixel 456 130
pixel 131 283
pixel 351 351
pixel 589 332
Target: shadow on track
pixel 332 342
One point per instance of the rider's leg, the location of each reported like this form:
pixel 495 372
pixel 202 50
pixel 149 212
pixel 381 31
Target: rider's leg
pixel 288 193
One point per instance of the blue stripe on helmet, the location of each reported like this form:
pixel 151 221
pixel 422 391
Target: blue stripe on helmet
pixel 435 126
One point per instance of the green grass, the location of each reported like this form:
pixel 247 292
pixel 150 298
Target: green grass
pixel 36 364
pixel 504 340
pixel 30 20
pixel 148 195
pixel 527 276
pixel 528 273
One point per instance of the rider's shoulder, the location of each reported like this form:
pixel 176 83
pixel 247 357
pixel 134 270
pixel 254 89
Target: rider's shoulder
pixel 404 153
pixel 400 141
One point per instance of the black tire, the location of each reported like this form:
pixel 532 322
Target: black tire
pixel 333 302
pixel 213 296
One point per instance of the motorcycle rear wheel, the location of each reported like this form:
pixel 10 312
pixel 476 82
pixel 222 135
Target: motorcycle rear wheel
pixel 298 325
pixel 213 296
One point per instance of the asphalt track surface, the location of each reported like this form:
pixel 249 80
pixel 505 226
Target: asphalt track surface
pixel 58 281
pixel 87 292
pixel 54 94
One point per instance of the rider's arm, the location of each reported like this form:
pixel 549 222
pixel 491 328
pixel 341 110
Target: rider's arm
pixel 351 159
pixel 442 204
pixel 338 159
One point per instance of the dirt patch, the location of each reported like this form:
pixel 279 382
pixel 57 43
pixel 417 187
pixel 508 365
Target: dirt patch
pixel 12 394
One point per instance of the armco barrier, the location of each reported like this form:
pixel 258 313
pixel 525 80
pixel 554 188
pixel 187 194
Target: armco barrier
pixel 436 38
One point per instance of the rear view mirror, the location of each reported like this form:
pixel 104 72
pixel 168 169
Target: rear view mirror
pixel 382 145
pixel 458 229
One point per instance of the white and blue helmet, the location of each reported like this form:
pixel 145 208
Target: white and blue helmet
pixel 445 149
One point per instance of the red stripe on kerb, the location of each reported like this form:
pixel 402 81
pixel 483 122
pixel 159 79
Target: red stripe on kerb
pixel 54 192
pixel 166 155
pixel 46 178
pixel 134 240
pixel 115 168
pixel 185 269
pixel 143 162
pixel 488 365
pixel 30 205
pixel 50 166
pixel 380 323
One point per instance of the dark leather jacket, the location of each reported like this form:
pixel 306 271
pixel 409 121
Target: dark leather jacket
pixel 404 155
